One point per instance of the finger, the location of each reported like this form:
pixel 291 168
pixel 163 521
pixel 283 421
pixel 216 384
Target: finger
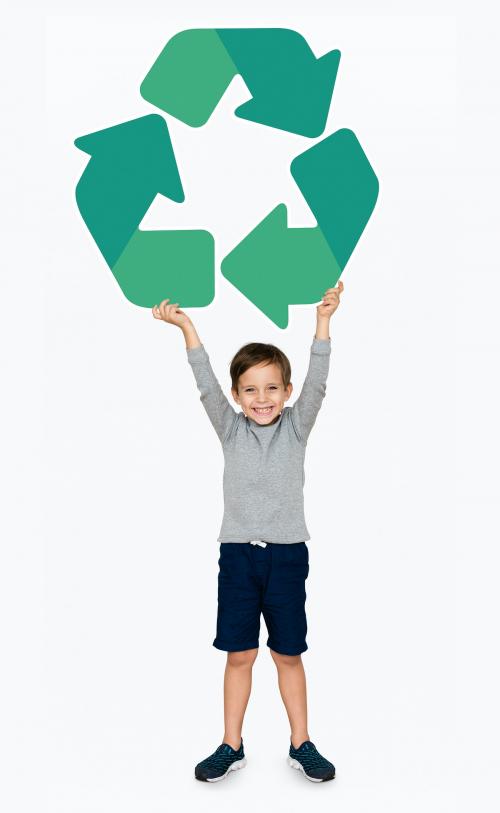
pixel 339 288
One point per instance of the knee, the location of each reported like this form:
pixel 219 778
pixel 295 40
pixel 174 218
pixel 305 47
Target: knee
pixel 245 657
pixel 284 660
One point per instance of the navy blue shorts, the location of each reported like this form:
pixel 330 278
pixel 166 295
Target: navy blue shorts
pixel 271 580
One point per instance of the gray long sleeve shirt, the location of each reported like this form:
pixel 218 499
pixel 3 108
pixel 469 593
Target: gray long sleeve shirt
pixel 263 465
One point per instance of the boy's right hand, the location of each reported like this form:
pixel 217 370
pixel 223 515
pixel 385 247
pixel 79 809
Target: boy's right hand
pixel 171 314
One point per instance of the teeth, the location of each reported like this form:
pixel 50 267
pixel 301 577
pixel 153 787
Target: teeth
pixel 262 411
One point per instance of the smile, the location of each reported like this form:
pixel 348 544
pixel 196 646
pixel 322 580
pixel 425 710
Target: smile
pixel 265 411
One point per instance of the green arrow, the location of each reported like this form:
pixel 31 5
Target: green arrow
pixel 275 267
pixel 340 187
pixel 131 163
pixel 291 89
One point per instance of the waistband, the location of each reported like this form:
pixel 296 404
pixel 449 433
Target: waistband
pixel 258 542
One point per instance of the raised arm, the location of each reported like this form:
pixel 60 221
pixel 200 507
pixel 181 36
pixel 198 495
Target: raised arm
pixel 308 404
pixel 218 408
pixel 306 407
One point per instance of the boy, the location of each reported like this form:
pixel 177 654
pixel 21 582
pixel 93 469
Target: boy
pixel 264 559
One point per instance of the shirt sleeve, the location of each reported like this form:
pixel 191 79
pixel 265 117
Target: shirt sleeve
pixel 219 410
pixel 307 405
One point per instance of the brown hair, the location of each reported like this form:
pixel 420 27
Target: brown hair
pixel 255 353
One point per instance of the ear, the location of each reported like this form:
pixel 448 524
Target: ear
pixel 234 393
pixel 288 391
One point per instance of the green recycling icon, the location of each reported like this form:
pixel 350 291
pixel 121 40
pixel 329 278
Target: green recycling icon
pixel 273 266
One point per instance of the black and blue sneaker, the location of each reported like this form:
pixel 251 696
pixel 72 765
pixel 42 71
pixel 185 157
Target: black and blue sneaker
pixel 307 759
pixel 218 764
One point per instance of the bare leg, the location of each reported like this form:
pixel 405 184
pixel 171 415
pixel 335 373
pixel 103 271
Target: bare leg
pixel 292 685
pixel 237 687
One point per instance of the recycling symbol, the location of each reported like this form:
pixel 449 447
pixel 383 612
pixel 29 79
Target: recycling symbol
pixel 273 266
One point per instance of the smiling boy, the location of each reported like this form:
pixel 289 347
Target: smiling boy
pixel 264 559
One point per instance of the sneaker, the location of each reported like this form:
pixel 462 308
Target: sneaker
pixel 307 759
pixel 218 764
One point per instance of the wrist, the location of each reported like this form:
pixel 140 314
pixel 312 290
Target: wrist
pixel 190 336
pixel 322 328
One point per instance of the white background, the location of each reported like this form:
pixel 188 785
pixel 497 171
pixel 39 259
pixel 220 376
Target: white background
pixel 112 690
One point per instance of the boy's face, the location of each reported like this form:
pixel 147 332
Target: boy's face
pixel 261 393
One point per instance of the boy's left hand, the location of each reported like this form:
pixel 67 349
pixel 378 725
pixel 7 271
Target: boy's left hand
pixel 331 299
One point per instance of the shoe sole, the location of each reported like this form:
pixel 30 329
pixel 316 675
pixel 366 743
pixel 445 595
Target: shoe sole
pixel 294 763
pixel 235 766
